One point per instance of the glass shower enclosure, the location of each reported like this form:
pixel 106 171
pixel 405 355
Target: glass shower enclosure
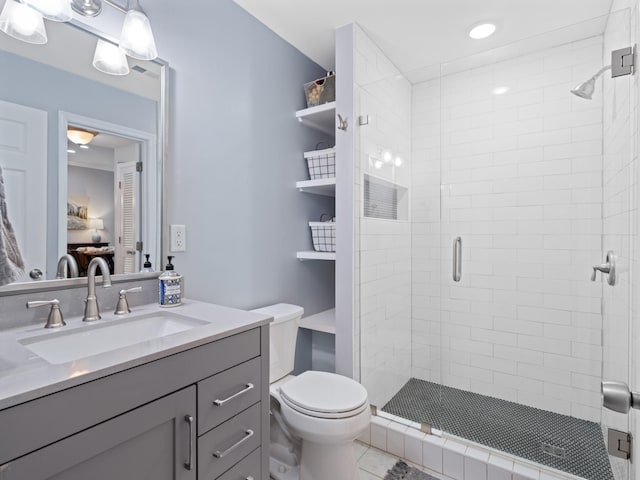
pixel 486 194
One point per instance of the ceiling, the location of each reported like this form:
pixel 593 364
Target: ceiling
pixel 418 34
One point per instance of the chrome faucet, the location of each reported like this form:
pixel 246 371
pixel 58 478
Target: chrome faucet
pixel 67 261
pixel 91 310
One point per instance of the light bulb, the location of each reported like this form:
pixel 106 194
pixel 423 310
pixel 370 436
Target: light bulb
pixel 378 164
pixel 22 23
pixel 56 10
pixel 386 156
pixel 397 162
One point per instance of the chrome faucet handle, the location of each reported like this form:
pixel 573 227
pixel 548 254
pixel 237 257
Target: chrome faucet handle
pixel 122 308
pixel 608 268
pixel 55 319
pixel 604 268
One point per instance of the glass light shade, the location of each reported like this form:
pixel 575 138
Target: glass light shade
pixel 110 58
pixel 23 23
pixel 56 10
pixel 80 136
pixel 136 38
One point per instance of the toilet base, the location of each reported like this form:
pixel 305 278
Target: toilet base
pixel 281 471
pixel 328 461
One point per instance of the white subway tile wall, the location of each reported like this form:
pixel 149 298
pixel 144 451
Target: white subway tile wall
pixel 383 149
pixel 519 176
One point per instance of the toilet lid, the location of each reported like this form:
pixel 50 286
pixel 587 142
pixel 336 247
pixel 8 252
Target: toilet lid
pixel 324 393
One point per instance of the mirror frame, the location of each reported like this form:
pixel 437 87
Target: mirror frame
pixel 161 209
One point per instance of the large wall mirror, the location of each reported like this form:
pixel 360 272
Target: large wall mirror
pixel 82 156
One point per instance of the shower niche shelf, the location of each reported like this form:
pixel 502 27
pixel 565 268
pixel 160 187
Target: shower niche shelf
pixel 321 117
pixel 323 186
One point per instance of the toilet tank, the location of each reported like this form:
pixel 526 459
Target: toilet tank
pixel 282 338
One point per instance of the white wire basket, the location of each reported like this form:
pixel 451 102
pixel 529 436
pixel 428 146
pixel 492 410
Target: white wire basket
pixel 323 235
pixel 321 163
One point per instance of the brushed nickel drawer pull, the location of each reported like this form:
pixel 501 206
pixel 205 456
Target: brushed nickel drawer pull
pixel 219 403
pixel 248 434
pixel 192 439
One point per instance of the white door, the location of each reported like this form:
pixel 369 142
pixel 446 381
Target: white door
pixel 23 157
pixel 126 217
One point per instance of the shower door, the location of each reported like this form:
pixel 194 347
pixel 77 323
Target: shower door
pixel 526 210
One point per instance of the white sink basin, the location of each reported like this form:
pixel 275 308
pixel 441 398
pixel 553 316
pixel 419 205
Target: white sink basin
pixel 62 347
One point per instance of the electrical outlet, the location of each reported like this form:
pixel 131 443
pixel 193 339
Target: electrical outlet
pixel 178 238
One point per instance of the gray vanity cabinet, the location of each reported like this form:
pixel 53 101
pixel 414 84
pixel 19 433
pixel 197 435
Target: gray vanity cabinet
pixel 153 442
pixel 201 413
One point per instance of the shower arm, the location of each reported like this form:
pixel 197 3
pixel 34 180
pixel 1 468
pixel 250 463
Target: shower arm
pixel 601 71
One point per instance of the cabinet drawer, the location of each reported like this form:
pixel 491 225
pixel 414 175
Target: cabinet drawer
pixel 222 396
pixel 246 469
pixel 225 445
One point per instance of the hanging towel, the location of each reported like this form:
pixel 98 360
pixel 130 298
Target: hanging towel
pixel 11 262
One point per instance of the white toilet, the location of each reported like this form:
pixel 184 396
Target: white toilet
pixel 316 416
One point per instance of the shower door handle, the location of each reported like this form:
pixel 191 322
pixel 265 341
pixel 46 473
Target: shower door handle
pixel 457 259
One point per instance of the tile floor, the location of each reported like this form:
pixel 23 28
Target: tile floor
pixel 506 426
pixel 373 463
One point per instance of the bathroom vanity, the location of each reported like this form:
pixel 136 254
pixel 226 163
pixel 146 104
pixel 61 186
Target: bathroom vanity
pixel 191 404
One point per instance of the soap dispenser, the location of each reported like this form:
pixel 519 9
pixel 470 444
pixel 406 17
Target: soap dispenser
pixel 146 267
pixel 170 283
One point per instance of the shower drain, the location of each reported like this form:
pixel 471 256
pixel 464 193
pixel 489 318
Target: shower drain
pixel 553 450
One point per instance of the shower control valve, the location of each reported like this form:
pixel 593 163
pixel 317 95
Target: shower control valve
pixel 608 268
pixel 616 396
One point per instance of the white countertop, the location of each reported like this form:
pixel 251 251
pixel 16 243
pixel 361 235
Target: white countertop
pixel 25 376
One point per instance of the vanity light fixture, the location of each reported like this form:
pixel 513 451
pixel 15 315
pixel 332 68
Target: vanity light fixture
pixel 110 58
pixel 136 38
pixel 80 136
pixel 87 8
pixel 482 30
pixel 56 10
pixel 22 23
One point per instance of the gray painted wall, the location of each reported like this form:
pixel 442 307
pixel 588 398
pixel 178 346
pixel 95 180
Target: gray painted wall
pixel 40 86
pixel 235 155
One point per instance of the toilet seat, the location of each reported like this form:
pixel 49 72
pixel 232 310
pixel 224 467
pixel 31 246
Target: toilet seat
pixel 324 395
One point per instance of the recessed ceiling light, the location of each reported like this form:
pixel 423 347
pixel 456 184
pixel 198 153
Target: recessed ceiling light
pixel 483 30
pixel 500 90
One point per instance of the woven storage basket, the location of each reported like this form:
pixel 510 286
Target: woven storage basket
pixel 323 235
pixel 321 163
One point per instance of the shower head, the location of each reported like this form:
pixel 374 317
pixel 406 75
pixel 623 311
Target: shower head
pixel 585 89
